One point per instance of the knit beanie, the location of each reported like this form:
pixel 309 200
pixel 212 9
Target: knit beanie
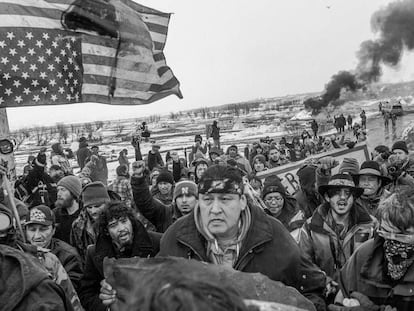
pixel 198 138
pixel 307 176
pixel 94 193
pixel 165 176
pixel 273 184
pixel 72 183
pixel 186 187
pixel 400 145
pixel 40 160
pixel 349 166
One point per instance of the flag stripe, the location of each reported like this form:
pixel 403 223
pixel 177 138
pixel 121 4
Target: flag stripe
pixel 139 75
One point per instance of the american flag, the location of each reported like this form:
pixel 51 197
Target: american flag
pixel 61 51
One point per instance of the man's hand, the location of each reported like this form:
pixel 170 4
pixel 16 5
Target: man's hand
pixel 138 168
pixel 327 163
pixel 107 294
pixel 365 304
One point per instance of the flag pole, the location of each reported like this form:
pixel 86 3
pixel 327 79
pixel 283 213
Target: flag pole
pixel 7 160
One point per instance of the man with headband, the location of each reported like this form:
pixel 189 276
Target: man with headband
pixel 381 271
pixel 225 229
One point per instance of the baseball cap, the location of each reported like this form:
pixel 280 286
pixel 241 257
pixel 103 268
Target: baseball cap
pixel 41 215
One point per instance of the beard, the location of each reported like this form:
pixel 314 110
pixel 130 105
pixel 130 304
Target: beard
pixel 64 203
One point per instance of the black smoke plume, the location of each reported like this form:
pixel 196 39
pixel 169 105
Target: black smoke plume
pixel 394 26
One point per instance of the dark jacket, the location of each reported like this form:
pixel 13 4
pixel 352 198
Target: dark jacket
pixel 70 260
pixel 370 204
pixel 154 160
pixel 307 202
pixel 365 273
pixel 215 131
pixel 145 244
pixel 158 213
pixel 82 154
pixel 64 223
pixel 26 285
pixel 268 248
pixel 322 244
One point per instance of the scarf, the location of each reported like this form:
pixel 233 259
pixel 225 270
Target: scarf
pixel 224 254
pixel 399 257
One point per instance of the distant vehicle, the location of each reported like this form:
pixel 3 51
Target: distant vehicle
pixel 397 110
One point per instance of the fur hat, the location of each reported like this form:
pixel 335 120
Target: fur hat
pixel 94 193
pixel 400 145
pixel 73 184
pixel 186 187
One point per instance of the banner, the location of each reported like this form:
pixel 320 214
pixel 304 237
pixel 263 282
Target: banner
pixel 287 173
pixel 69 51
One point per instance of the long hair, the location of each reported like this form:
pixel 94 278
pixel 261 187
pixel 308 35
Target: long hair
pixel 115 210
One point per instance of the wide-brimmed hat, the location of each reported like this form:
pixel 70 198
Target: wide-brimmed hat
pixel 372 168
pixel 339 181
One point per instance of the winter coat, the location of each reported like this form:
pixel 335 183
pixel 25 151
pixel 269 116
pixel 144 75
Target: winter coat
pixel 145 244
pixel 364 273
pixel 322 244
pixel 123 159
pixel 82 234
pixel 215 131
pixel 158 213
pixel 82 154
pixel 36 180
pixel 240 160
pixel 268 248
pixel 69 258
pixel 27 284
pixel 307 202
pixel 99 171
pixel 64 223
pixel 154 160
pixel 290 216
pixel 370 204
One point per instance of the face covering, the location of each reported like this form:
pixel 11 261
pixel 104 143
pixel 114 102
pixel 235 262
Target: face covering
pixel 399 257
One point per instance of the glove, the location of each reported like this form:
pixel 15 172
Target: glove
pixel 328 163
pixel 365 304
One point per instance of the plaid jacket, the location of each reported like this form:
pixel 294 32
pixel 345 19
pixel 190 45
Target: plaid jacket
pixel 122 186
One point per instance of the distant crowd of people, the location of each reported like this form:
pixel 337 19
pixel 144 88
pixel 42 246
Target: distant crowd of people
pixel 344 239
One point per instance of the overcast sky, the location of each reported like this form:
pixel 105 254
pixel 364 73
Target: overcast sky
pixel 225 51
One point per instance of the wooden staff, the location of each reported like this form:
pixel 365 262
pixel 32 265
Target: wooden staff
pixel 10 196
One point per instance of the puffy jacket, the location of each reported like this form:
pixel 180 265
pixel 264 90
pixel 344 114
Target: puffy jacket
pixel 364 273
pixel 268 248
pixel 69 258
pixel 322 244
pixel 26 284
pixel 145 244
pixel 82 154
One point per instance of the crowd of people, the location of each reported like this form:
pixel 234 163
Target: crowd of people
pixel 344 240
